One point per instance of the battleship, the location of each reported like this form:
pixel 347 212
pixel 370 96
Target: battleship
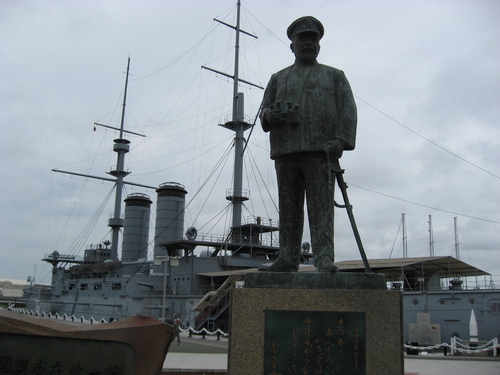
pixel 188 275
pixel 110 285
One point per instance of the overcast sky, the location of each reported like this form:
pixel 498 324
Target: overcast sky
pixel 425 74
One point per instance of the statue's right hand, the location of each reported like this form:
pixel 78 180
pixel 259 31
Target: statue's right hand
pixel 272 117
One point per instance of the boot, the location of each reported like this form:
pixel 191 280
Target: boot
pixel 281 265
pixel 325 263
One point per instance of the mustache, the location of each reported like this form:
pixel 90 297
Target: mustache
pixel 309 48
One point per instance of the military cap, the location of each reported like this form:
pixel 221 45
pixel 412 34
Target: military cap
pixel 305 24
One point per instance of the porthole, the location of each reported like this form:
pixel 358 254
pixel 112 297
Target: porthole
pixel 471 301
pixel 415 302
pixel 442 302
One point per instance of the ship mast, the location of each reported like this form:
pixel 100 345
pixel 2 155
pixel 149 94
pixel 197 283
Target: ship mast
pixel 239 129
pixel 237 124
pixel 121 147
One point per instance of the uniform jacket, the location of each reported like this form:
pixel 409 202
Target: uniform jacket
pixel 325 106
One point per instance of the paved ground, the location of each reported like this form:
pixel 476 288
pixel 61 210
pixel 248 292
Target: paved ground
pixel 196 344
pixel 422 366
pixel 197 354
pixel 210 354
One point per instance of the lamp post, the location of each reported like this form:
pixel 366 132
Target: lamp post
pixel 172 262
pixel 166 259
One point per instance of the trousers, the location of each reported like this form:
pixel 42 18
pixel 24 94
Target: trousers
pixel 307 176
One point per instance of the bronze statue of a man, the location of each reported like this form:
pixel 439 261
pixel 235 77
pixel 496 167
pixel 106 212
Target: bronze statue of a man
pixel 310 113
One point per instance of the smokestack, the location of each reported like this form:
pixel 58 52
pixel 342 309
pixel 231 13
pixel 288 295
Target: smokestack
pixel 136 227
pixel 169 215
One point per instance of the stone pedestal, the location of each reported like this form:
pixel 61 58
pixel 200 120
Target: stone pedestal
pixel 315 323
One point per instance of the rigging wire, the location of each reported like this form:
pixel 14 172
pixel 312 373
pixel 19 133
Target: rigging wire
pixel 427 139
pixel 194 47
pixel 264 183
pixel 220 142
pixel 220 164
pixel 166 97
pixel 78 198
pixel 267 29
pixel 391 118
pixel 245 169
pixel 423 205
pixel 395 239
pixel 255 167
pixel 79 241
pixel 175 84
pixel 87 230
pixel 222 213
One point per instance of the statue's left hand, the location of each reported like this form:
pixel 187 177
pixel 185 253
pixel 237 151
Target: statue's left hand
pixel 334 148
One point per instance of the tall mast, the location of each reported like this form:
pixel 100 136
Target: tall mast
pixel 121 147
pixel 237 124
pixel 239 129
pixel 236 65
pixel 122 122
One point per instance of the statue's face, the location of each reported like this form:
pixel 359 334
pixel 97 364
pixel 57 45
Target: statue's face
pixel 305 46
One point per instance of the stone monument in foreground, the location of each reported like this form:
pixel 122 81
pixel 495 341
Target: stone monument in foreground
pixel 326 322
pixel 30 345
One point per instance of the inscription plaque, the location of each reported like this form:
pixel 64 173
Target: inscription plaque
pixel 314 342
pixel 41 355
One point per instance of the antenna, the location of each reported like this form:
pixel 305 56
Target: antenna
pixel 457 247
pixel 431 238
pixel 405 239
